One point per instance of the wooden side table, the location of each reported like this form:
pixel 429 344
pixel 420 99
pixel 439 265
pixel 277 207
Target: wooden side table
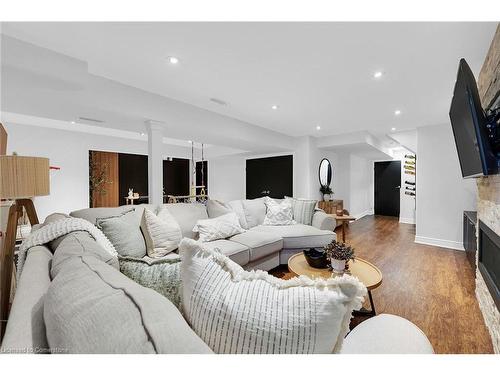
pixel 331 207
pixel 344 219
pixel 366 272
pixel 129 200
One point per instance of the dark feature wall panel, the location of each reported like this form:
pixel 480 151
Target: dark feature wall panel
pixel 176 176
pixel 271 176
pixel 133 174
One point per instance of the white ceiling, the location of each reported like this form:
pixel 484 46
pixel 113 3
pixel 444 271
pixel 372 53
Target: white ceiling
pixel 318 73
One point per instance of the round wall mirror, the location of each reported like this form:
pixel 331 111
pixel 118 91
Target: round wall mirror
pixel 325 172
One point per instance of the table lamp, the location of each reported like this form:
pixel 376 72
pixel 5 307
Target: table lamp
pixel 21 178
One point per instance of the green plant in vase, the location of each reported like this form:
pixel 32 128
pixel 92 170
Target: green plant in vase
pixel 327 191
pixel 339 254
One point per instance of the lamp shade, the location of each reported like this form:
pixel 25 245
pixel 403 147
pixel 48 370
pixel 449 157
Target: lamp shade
pixel 23 177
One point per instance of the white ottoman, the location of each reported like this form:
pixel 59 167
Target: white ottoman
pixel 386 334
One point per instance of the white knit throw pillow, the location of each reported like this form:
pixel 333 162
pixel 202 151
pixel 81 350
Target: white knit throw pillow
pixel 218 228
pixel 161 232
pixel 278 213
pixel 235 311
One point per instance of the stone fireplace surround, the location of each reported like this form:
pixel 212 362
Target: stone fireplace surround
pixel 488 202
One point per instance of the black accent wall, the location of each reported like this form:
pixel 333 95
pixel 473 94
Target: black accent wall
pixel 271 176
pixel 176 176
pixel 133 173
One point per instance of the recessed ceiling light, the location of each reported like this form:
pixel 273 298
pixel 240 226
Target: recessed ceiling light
pixel 73 123
pixel 318 127
pixel 274 106
pixel 143 134
pixel 173 60
pixel 190 141
pixel 397 112
pixel 393 129
pixel 377 74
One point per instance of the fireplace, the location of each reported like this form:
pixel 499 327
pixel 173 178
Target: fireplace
pixel 489 260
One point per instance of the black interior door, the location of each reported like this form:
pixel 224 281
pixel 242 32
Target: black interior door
pixel 387 185
pixel 271 176
pixel 176 176
pixel 133 174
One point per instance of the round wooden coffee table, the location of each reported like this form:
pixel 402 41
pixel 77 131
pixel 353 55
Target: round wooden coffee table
pixel 366 272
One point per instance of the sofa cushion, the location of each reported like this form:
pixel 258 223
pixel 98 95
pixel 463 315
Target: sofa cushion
pixel 92 214
pixel 386 334
pixel 255 211
pixel 218 228
pixel 161 232
pixel 216 208
pixel 261 244
pixel 124 233
pixel 237 207
pixel 303 210
pixel 91 307
pixel 278 213
pixel 298 236
pixel 235 311
pixel 237 252
pixel 186 215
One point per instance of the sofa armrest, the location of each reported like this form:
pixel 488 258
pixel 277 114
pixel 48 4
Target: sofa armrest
pixel 322 220
pixel 386 334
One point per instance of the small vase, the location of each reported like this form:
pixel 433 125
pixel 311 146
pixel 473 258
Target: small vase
pixel 338 266
pixel 326 197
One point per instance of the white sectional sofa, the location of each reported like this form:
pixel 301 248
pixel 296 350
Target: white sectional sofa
pixel 260 247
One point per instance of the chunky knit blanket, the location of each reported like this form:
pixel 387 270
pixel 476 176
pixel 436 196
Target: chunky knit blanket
pixel 59 228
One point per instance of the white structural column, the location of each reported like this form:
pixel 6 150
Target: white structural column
pixel 155 162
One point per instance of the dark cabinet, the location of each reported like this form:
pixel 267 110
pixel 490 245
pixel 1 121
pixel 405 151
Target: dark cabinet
pixel 469 236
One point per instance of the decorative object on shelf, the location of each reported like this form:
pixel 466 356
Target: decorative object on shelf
pixel 23 177
pixel 130 193
pixel 410 193
pixel 316 258
pixel 325 175
pixel 326 191
pixel 338 255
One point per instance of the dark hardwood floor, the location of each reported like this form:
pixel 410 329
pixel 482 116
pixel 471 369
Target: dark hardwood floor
pixel 431 286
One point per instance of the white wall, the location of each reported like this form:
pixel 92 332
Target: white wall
pixel 442 193
pixel 361 176
pixel 69 187
pixel 226 178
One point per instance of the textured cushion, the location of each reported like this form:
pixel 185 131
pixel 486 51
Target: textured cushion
pixel 51 219
pixel 162 276
pixel 303 210
pixel 237 207
pixel 386 334
pixel 91 307
pixel 216 208
pixel 78 244
pixel 218 228
pixel 235 311
pixel 124 233
pixel 255 211
pixel 92 214
pixel 261 244
pixel 162 233
pixel 299 236
pixel 278 213
pixel 186 215
pixel 237 252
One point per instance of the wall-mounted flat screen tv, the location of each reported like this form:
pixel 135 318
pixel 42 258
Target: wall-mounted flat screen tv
pixel 469 121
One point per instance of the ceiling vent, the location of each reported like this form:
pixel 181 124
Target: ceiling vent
pixel 218 101
pixel 91 120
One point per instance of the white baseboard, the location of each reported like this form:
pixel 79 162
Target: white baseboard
pixel 363 214
pixel 407 220
pixel 438 242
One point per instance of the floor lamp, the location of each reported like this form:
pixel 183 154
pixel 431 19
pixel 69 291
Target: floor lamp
pixel 21 178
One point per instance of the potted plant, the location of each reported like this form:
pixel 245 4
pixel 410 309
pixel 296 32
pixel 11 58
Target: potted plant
pixel 338 254
pixel 326 191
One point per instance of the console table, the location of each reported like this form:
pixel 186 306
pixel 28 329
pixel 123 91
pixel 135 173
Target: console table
pixel 331 207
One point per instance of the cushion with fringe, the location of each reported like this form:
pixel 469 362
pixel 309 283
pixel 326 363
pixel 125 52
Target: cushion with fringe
pixel 235 311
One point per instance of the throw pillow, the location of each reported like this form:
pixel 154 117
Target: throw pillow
pixel 235 311
pixel 303 210
pixel 218 228
pixel 237 206
pixel 216 208
pixel 124 233
pixel 161 232
pixel 278 213
pixel 255 211
pixel 161 275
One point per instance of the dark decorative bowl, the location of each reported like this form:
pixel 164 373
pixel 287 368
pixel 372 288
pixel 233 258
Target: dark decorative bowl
pixel 316 258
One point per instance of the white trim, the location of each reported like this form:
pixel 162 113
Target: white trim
pixel 407 220
pixel 362 214
pixel 440 243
